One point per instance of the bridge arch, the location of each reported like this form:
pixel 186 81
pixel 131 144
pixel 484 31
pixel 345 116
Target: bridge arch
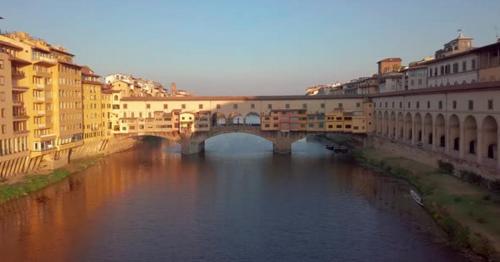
pixel 282 141
pixel 428 129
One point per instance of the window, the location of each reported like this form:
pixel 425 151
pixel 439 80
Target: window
pixel 473 65
pixel 2 81
pixel 341 105
pixel 287 106
pixel 409 104
pixel 235 106
pixel 304 106
pixel 471 105
pixel 418 104
pixel 218 106
pixel 400 104
pixel 464 66
pixel 490 104
pixel 165 106
pixel 148 106
pixel 200 106
pixel 252 106
pixel 1 64
pixel 428 104
pixel 183 106
pixel 454 104
pixel 392 104
pixel 440 104
pixel 455 68
pixel 322 105
pixel 358 104
pixel 269 106
pixel 125 106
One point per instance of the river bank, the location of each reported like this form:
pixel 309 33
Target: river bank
pixel 24 185
pixel 466 212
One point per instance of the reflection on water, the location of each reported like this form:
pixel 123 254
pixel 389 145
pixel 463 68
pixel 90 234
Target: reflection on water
pixel 237 202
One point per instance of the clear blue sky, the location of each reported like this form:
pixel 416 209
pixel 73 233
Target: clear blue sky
pixel 249 47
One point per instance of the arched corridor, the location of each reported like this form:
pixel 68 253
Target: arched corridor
pixel 409 127
pixel 490 139
pixel 454 134
pixel 392 126
pixel 470 135
pixel 401 126
pixel 252 119
pixel 418 127
pixel 440 131
pixel 428 139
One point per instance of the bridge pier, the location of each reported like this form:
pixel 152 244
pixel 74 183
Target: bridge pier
pixel 282 147
pixel 190 147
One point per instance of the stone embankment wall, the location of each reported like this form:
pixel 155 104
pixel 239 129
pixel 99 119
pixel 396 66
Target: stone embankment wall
pixel 57 159
pixel 429 157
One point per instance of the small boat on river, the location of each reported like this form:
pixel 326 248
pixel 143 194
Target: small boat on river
pixel 337 149
pixel 416 197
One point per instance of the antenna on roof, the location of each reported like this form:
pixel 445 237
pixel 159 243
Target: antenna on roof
pixel 459 31
pixel 496 33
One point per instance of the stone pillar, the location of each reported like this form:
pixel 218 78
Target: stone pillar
pixel 282 147
pixel 190 147
pixel 498 150
pixel 462 141
pixel 479 147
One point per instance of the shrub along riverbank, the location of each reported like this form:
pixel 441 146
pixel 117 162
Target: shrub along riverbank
pixel 10 190
pixel 469 214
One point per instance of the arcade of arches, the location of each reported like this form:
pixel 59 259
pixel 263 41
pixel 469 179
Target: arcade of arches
pixel 471 137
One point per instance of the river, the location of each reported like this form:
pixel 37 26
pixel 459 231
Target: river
pixel 238 202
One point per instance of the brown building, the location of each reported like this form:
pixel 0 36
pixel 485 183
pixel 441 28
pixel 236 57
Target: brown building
pixel 389 65
pixel 489 62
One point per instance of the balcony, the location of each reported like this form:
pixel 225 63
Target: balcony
pixel 44 60
pixel 40 112
pixel 17 74
pixel 39 86
pixel 43 73
pixel 20 117
pixel 21 132
pixel 38 99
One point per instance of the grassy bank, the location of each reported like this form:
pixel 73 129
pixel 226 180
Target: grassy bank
pixel 32 183
pixel 468 213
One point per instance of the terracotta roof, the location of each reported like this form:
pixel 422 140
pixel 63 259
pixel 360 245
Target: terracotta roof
pixel 390 59
pixel 4 43
pixel 69 64
pixel 61 51
pixel 242 98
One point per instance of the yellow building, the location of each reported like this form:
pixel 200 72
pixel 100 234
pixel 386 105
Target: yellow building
pixel 13 132
pixel 67 90
pixel 34 65
pixel 94 128
pixel 358 121
pixel 106 103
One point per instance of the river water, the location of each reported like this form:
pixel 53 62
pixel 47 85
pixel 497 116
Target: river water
pixel 238 202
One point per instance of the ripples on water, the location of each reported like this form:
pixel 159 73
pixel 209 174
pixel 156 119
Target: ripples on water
pixel 238 202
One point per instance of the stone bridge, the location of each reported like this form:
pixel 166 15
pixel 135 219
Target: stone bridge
pixel 193 143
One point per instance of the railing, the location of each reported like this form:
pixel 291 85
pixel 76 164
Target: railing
pixel 18 74
pixel 44 59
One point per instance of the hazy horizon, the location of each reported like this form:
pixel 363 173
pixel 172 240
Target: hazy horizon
pixel 257 48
